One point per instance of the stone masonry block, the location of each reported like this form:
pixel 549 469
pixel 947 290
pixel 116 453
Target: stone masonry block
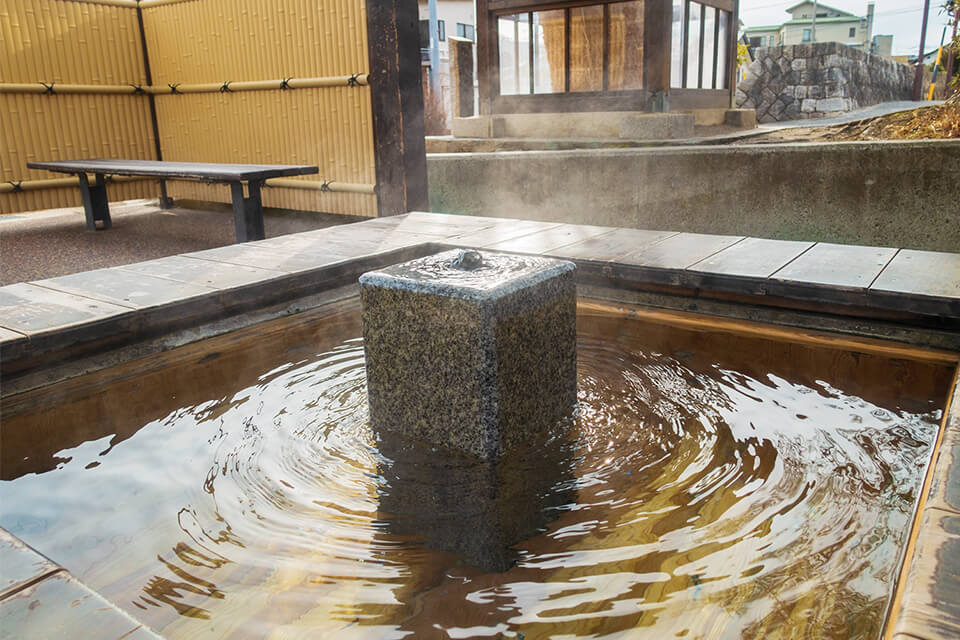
pixel 831 104
pixel 474 359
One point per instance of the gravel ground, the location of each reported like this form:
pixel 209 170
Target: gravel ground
pixel 52 243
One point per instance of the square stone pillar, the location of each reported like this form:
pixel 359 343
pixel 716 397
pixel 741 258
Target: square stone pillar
pixel 468 351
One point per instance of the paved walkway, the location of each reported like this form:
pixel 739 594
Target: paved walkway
pixel 881 109
pixel 47 244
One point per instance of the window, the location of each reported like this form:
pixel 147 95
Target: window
pixel 853 32
pixel 701 28
pixel 424 34
pixel 709 41
pixel 723 35
pixel 677 46
pixel 806 35
pixel 694 38
pixel 625 49
pixel 549 51
pixel 441 30
pixel 756 41
pixel 770 41
pixel 466 31
pixel 586 48
pixel 513 36
pixel 579 49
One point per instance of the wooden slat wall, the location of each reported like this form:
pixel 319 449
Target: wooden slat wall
pixel 63 41
pixel 203 41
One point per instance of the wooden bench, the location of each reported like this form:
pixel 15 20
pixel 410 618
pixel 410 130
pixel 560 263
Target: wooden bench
pixel 247 211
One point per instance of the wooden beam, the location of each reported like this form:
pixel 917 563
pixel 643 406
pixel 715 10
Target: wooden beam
pixel 732 29
pixel 393 37
pixel 657 18
pixel 486 43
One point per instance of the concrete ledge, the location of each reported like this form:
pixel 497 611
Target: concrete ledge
pixel 657 126
pixel 602 125
pixel 901 194
pixel 40 599
pixel 472 127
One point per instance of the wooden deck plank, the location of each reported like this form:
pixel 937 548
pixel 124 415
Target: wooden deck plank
pixel 7 335
pixel 752 257
pixel 500 232
pixel 29 309
pixel 945 478
pixel 837 265
pixel 679 251
pixel 166 169
pixel 449 220
pixel 930 607
pixel 127 288
pixel 611 246
pixel 921 272
pixel 216 275
pixel 20 563
pixel 548 240
pixel 274 258
pixel 61 607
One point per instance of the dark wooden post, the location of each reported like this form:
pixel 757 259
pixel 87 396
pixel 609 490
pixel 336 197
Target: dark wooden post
pixel 732 29
pixel 165 201
pixel 393 37
pixel 96 207
pixel 657 19
pixel 486 74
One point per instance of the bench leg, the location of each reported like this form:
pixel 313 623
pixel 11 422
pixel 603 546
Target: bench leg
pixel 95 206
pixel 247 212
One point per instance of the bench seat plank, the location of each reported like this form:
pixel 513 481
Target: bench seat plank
pixel 165 169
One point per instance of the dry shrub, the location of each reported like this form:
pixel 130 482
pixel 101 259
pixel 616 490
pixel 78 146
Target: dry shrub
pixel 936 122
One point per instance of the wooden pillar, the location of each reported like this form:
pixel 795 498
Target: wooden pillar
pixel 396 95
pixel 732 29
pixel 486 47
pixel 657 18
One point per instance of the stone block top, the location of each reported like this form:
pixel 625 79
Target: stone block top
pixel 468 274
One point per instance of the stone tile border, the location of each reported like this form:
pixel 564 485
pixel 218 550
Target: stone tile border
pixel 40 599
pixel 64 318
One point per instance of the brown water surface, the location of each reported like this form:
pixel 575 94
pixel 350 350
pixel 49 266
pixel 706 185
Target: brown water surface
pixel 712 486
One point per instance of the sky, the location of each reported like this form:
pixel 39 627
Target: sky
pixel 901 18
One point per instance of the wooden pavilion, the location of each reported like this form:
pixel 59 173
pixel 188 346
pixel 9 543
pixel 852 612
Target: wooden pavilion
pixel 605 55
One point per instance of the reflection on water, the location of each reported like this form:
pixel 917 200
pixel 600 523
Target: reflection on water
pixel 476 509
pixel 713 487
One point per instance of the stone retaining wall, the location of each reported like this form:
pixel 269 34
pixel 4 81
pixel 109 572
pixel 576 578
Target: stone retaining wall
pixel 819 80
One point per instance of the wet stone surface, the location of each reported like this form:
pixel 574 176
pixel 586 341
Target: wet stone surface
pixel 473 359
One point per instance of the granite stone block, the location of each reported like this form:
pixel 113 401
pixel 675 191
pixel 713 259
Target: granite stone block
pixel 475 360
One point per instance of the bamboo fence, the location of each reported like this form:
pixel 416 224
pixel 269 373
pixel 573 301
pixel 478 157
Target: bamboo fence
pixel 264 81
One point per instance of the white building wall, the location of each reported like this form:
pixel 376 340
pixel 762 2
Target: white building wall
pixel 451 12
pixel 826 32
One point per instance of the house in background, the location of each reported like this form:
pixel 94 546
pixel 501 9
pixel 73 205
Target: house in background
pixel 829 25
pixel 455 18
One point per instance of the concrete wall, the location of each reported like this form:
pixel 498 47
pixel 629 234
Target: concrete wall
pixel 819 80
pixel 901 194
